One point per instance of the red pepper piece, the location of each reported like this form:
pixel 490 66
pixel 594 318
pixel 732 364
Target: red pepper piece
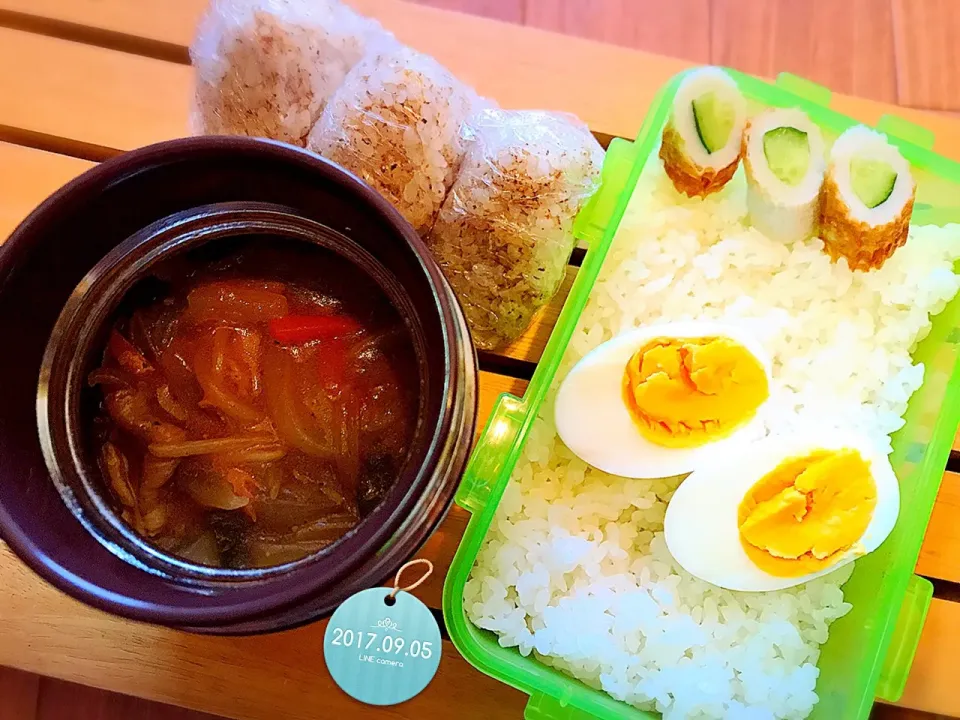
pixel 294 329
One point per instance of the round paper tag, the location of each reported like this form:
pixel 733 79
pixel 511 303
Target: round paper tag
pixel 382 654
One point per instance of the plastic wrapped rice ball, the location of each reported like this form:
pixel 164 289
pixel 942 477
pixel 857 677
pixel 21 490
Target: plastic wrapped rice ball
pixel 395 122
pixel 266 68
pixel 504 234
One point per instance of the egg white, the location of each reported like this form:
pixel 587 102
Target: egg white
pixel 594 422
pixel 700 527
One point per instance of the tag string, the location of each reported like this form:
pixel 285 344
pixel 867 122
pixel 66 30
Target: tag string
pixel 418 583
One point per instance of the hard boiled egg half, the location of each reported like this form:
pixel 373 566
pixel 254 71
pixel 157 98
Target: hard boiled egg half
pixel 663 400
pixel 784 513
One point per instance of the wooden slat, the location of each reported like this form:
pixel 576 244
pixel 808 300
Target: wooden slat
pixel 508 10
pixel 940 553
pixel 925 37
pixel 893 712
pixel 491 387
pixel 27 177
pixel 680 28
pixel 609 87
pixel 162 21
pixel 847 46
pixel 174 22
pixel 273 676
pixel 18 694
pixel 99 97
pixel 59 700
pixel 56 65
pixel 932 685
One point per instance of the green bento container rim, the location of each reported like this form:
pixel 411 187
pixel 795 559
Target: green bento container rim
pixel 905 597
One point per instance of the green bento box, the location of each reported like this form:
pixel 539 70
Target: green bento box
pixel 870 650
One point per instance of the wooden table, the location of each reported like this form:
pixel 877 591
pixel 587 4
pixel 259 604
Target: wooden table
pixel 84 79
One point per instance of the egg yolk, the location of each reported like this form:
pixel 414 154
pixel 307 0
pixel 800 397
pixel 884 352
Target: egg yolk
pixel 686 392
pixel 803 515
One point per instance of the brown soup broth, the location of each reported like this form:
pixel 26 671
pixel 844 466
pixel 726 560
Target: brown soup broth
pixel 253 408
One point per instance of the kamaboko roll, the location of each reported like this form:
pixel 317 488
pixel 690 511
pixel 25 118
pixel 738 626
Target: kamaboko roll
pixel 867 199
pixel 701 140
pixel 783 159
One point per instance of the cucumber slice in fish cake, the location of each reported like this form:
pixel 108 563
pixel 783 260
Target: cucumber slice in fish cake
pixel 872 180
pixel 714 119
pixel 787 150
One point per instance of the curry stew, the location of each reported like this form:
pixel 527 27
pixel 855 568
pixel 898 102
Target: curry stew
pixel 246 421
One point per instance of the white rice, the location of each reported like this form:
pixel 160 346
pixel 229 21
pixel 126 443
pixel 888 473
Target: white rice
pixel 575 569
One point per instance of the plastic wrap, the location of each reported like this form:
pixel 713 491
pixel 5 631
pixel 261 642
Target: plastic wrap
pixel 267 67
pixel 395 122
pixel 504 233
